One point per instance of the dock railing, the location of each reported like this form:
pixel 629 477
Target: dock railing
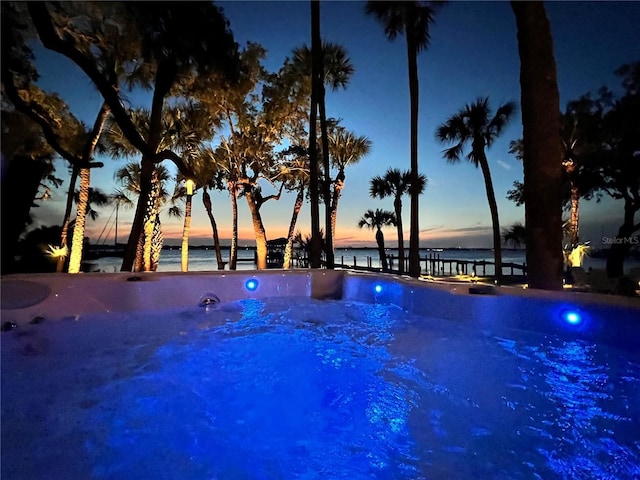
pixel 435 266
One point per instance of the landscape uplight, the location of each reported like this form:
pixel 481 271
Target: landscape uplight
pixel 190 184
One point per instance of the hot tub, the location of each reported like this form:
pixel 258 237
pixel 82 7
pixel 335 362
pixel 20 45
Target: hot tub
pixel 314 374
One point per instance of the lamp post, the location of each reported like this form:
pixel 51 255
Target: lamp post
pixel 189 184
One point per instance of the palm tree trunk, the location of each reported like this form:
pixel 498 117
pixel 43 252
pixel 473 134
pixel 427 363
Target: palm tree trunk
pixel 258 228
pixel 139 260
pixel 397 206
pixel 542 146
pixel 381 252
pixel 330 213
pixel 333 203
pixel 65 222
pixel 164 79
pixel 156 244
pixel 85 182
pixel 297 206
pixel 233 252
pixel 206 200
pixel 493 207
pixel 138 227
pixel 75 259
pixel 414 235
pixel 575 205
pixel 150 225
pixel 184 251
pixel 316 83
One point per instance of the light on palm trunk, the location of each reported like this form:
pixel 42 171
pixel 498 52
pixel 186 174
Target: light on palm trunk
pixel 189 184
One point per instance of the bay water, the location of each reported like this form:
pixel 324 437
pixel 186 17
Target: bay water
pixel 205 260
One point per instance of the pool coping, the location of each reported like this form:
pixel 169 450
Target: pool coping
pixel 26 294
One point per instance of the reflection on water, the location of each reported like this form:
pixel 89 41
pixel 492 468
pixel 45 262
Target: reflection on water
pixel 205 260
pixel 588 424
pixel 290 388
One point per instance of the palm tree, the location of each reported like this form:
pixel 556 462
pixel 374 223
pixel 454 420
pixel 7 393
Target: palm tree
pixel 540 103
pixel 580 124
pixel 66 135
pixel 515 235
pixel 345 149
pixel 209 176
pixel 413 19
pixel 158 57
pixel 474 125
pixel 75 259
pixel 396 184
pixel 150 243
pixel 337 66
pixel 186 126
pixel 332 67
pixel 376 221
pixel 295 175
pixel 316 86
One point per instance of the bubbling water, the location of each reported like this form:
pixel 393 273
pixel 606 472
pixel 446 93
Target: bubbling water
pixel 301 388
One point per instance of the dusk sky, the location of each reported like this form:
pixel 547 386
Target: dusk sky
pixel 473 53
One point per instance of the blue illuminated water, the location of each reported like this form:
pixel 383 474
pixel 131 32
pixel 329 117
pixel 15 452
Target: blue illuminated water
pixel 305 389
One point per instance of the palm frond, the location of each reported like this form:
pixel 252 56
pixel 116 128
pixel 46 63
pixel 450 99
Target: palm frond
pixel 175 211
pixel 453 154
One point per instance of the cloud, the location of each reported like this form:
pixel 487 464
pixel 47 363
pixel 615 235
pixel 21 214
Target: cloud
pixel 504 164
pixel 432 229
pixel 462 231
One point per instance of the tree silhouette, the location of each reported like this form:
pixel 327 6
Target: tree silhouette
pixel 161 44
pixel 395 184
pixel 413 19
pixel 474 125
pixel 541 140
pixel 377 220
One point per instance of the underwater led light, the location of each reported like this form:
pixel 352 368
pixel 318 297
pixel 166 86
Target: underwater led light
pixel 572 316
pixel 251 284
pixel 378 288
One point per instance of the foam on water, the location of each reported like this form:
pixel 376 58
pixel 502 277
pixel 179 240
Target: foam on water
pixel 300 388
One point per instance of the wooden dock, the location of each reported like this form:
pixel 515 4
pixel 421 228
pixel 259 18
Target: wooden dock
pixel 435 266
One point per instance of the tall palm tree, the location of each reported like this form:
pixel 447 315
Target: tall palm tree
pixel 345 149
pixel 335 69
pixel 474 125
pixel 75 259
pixel 540 104
pixel 316 86
pixel 396 184
pixel 337 66
pixel 413 19
pixel 376 221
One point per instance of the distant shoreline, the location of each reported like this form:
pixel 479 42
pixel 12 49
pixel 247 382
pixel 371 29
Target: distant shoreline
pixel 433 249
pixel 595 253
